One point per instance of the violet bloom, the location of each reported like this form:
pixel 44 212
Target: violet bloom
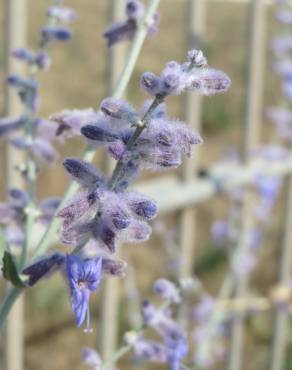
pixel 84 277
pixel 10 125
pixel 177 349
pixel 43 268
pixel 219 232
pixel 284 16
pixel 91 358
pixel 204 309
pixel 243 263
pixel 61 14
pixel 71 121
pixel 165 289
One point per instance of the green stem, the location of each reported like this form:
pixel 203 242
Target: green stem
pixel 120 353
pixel 143 123
pixel 7 304
pixel 89 153
pixel 135 49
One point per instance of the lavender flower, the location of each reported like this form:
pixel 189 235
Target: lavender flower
pixel 84 277
pixel 193 76
pixel 91 358
pixel 125 31
pixel 62 14
pixel 149 350
pixel 43 268
pixel 55 33
pixel 70 122
pixel 165 289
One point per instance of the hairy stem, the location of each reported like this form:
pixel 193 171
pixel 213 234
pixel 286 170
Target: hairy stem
pixel 143 123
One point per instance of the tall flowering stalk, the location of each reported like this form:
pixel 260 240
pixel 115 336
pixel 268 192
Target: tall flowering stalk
pixel 104 212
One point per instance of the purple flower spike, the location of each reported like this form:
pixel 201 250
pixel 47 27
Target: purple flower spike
pixel 84 173
pixel 84 277
pixel 43 268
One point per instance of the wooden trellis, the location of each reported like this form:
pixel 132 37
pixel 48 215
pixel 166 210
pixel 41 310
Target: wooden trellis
pixel 183 191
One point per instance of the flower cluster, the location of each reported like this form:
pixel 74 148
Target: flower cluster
pixel 105 212
pixel 174 347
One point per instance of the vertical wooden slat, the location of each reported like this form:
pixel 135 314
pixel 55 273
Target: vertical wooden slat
pixel 195 14
pixel 255 61
pixel 281 323
pixel 110 300
pixel 15 37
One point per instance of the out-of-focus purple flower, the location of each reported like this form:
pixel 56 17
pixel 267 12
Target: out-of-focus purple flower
pixel 91 358
pixel 204 309
pixel 43 268
pixel 125 31
pixel 162 323
pixel 149 350
pixel 271 153
pixel 165 289
pixel 62 14
pixel 243 263
pixel 41 59
pixel 284 16
pixel 256 237
pixel 177 349
pixel 219 232
pixel 134 9
pixel 55 33
pixel 71 121
pixel 9 125
pixel 84 277
pixel 117 32
pixel 48 209
pixel 282 45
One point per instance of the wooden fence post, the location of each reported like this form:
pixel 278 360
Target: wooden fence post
pixel 16 25
pixel 250 139
pixel 195 14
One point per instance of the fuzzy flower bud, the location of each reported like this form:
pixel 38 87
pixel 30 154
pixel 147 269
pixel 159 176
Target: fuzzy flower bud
pixel 165 289
pixel 150 83
pixel 120 109
pixel 196 58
